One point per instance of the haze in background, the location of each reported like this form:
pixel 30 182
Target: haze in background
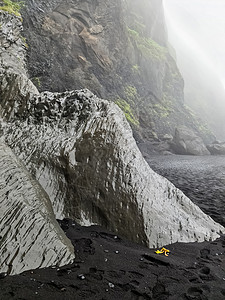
pixel 196 31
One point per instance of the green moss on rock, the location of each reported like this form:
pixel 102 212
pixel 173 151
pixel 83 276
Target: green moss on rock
pixel 148 47
pixel 12 7
pixel 125 106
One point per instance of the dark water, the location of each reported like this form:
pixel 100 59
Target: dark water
pixel 201 178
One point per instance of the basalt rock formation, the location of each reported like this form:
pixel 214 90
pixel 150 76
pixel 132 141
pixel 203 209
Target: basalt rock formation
pixel 217 148
pixel 81 150
pixel 30 237
pixel 117 49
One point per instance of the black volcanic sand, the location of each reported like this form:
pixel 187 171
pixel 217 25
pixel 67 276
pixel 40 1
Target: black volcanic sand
pixel 108 267
pixel 201 178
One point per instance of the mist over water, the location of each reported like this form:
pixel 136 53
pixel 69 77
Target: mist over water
pixel 196 31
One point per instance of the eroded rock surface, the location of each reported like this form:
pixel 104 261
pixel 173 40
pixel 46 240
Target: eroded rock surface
pixel 81 149
pixel 217 148
pixel 30 237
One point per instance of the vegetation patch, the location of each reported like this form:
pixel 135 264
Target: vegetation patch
pixel 12 7
pixel 127 111
pixel 136 69
pixel 148 47
pixel 24 40
pixel 36 81
pixel 130 93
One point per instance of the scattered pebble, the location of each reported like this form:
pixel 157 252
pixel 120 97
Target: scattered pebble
pixel 111 285
pixel 106 259
pixel 116 252
pixel 81 276
pixel 115 237
pixel 106 251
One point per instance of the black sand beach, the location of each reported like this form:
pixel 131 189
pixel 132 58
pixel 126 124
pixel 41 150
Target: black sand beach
pixel 110 267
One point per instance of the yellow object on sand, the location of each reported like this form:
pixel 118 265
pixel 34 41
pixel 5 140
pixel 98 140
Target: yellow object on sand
pixel 163 250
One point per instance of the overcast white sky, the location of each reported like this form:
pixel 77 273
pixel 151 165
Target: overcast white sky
pixel 200 25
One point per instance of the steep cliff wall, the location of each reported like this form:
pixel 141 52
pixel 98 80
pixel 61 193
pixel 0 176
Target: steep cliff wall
pixel 117 49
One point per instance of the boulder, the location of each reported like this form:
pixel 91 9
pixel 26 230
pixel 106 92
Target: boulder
pixel 186 142
pixel 217 148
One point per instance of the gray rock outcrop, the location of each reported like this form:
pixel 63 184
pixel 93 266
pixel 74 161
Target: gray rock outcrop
pixel 81 150
pixel 217 148
pixel 186 141
pixel 30 237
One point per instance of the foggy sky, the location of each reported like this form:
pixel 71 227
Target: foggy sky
pixel 202 24
pixel 196 31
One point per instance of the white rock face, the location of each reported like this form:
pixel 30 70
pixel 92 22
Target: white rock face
pixel 30 237
pixel 81 150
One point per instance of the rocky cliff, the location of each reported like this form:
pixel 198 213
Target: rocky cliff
pixel 117 49
pixel 81 150
pixel 81 155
